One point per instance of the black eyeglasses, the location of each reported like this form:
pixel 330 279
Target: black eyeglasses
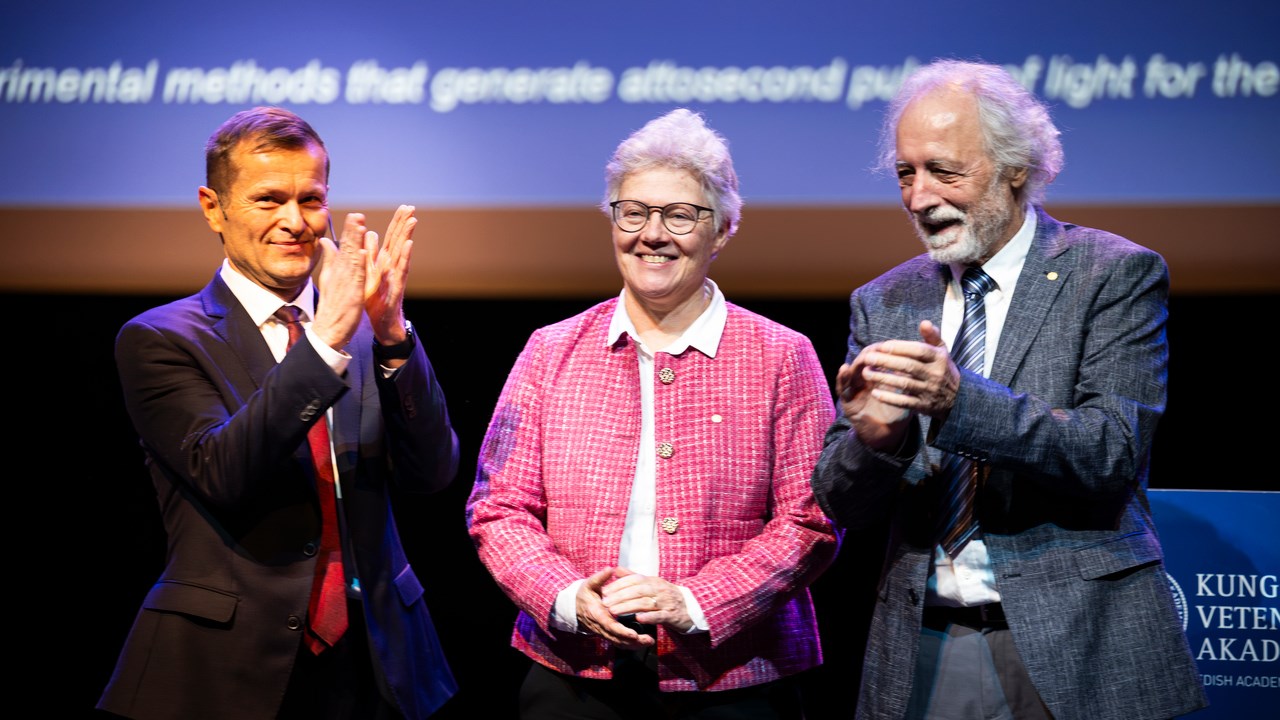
pixel 679 218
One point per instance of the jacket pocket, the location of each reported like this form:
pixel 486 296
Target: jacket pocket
pixel 195 600
pixel 1118 555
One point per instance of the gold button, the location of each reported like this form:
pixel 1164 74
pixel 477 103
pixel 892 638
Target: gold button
pixel 667 376
pixel 665 450
pixel 1052 275
pixel 669 525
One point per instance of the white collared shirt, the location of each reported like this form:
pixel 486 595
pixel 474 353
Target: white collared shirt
pixel 970 579
pixel 638 550
pixel 262 304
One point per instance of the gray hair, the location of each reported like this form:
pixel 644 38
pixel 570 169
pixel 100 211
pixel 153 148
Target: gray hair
pixel 1017 131
pixel 680 140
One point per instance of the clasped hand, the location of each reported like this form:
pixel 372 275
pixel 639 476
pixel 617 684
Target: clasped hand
pixel 890 380
pixel 361 276
pixel 616 592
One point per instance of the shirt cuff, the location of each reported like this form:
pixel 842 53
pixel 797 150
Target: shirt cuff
pixel 335 359
pixel 564 616
pixel 695 613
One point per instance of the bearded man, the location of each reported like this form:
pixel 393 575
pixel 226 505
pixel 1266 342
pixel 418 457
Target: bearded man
pixel 999 401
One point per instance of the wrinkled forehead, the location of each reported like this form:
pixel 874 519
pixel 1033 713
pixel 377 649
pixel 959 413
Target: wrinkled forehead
pixel 942 118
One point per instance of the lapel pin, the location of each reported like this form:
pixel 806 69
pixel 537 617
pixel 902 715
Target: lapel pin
pixel 1051 275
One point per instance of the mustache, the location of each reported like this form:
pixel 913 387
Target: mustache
pixel 941 214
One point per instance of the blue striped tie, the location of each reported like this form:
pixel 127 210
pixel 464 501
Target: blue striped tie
pixel 967 352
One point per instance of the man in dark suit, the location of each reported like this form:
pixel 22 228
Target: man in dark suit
pixel 227 399
pixel 1052 601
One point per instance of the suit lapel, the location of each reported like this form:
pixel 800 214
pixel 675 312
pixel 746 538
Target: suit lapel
pixel 1042 278
pixel 924 303
pixel 926 298
pixel 232 323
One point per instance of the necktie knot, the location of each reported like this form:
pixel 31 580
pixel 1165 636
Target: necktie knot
pixel 976 283
pixel 289 314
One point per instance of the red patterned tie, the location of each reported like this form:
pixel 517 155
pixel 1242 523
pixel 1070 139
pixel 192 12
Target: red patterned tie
pixel 327 611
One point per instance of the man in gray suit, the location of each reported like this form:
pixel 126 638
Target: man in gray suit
pixel 1052 601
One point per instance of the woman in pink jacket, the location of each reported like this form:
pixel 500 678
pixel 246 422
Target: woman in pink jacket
pixel 643 489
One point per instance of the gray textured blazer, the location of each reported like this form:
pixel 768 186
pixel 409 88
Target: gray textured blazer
pixel 1065 423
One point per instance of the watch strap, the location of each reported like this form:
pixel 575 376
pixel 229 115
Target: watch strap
pixel 401 350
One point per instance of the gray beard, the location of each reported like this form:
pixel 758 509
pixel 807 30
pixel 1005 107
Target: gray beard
pixel 967 251
pixel 980 230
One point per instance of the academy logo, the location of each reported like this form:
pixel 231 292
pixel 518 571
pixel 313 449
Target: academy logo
pixel 1179 599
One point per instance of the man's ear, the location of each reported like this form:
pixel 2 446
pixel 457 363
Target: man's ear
pixel 1018 178
pixel 211 208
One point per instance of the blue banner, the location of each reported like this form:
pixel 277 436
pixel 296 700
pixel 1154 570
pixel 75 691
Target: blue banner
pixel 1223 560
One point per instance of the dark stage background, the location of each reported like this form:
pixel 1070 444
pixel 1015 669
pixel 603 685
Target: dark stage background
pixel 94 543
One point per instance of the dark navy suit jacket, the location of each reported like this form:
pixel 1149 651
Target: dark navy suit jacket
pixel 223 428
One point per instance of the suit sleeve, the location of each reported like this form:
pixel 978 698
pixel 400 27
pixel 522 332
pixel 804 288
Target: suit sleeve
pixel 1101 361
pixel 423 444
pixel 193 418
pixel 854 484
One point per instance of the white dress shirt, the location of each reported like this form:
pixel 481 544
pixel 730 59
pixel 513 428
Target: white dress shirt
pixel 262 304
pixel 969 579
pixel 638 550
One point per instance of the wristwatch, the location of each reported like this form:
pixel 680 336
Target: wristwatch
pixel 400 351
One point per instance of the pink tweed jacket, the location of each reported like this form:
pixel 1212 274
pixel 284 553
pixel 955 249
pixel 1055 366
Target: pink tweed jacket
pixel 738 437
